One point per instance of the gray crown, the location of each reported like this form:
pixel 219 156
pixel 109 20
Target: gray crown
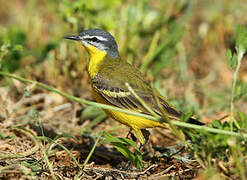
pixel 104 41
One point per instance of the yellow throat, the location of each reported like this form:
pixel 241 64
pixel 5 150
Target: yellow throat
pixel 96 57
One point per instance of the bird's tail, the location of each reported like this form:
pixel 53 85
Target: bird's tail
pixel 172 112
pixel 194 121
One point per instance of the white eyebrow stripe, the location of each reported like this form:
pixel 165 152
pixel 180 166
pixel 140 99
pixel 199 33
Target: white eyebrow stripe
pixel 98 37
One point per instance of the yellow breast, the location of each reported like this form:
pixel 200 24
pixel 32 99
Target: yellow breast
pixel 96 58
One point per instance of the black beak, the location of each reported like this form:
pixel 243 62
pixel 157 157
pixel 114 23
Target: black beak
pixel 75 38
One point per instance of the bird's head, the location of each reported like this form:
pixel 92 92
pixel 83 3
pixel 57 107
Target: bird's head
pixel 95 40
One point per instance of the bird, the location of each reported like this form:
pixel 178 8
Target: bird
pixel 109 76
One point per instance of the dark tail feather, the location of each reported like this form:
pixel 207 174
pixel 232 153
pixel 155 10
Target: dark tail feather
pixel 174 112
pixel 194 121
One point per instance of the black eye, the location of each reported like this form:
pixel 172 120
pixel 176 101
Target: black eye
pixel 94 39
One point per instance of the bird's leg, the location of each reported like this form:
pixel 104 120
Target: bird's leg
pixel 146 135
pixel 131 135
pixel 143 136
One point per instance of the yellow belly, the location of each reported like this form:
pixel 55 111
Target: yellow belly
pixel 132 121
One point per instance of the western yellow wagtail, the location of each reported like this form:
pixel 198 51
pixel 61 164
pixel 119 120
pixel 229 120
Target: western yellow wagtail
pixel 109 75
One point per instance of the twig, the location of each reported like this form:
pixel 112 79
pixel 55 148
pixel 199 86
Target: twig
pixel 155 176
pixel 240 54
pixel 104 171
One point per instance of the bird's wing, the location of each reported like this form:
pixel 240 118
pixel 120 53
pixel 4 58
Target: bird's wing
pixel 111 81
